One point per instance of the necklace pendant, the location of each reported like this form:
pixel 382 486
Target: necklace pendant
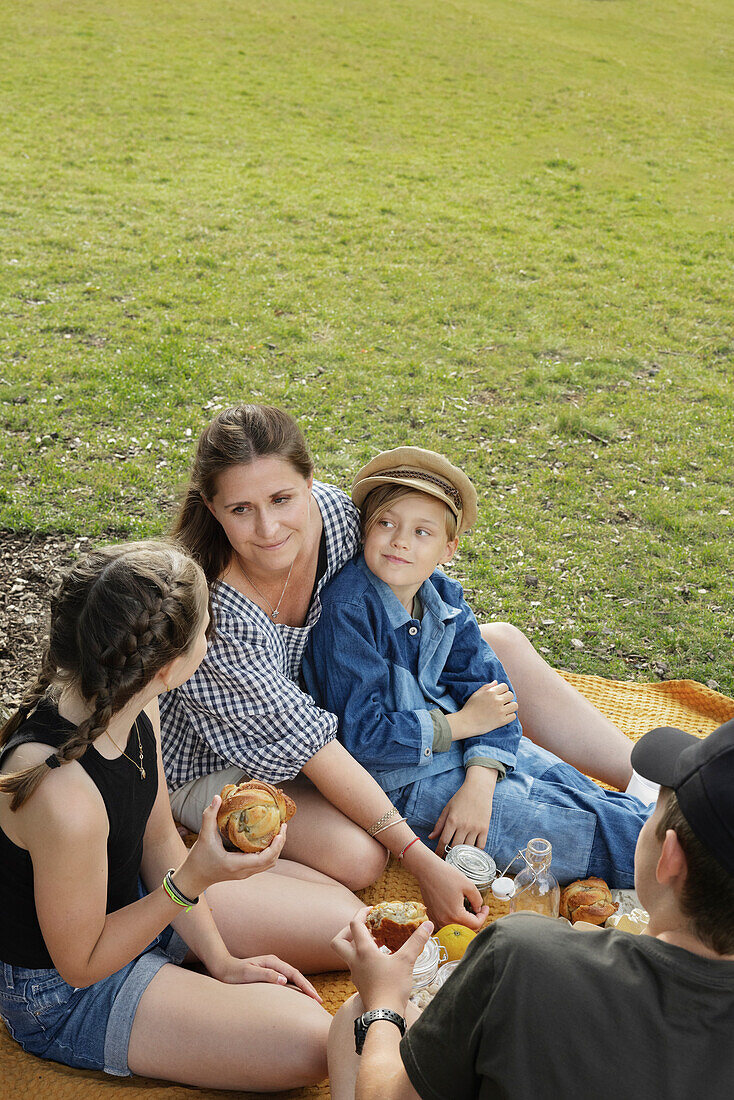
pixel 274 614
pixel 142 773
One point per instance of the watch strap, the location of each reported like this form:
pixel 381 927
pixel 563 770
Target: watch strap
pixel 362 1023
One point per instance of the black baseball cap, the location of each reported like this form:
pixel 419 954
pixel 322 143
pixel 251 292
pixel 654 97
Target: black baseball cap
pixel 701 772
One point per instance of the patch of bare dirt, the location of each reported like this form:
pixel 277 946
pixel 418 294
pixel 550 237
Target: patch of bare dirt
pixel 30 568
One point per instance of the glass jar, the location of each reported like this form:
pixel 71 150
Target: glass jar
pixel 445 972
pixel 478 867
pixel 426 972
pixel 536 889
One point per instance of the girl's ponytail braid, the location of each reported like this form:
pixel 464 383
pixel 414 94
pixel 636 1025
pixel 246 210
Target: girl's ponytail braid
pixel 122 614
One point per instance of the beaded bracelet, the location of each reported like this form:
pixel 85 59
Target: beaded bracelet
pixel 175 894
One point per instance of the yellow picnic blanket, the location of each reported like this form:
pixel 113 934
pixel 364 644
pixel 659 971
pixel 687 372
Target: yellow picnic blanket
pixel 635 708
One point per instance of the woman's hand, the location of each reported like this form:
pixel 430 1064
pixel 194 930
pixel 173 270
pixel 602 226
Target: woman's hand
pixel 445 890
pixel 383 981
pixel 489 708
pixel 208 860
pixel 465 817
pixel 262 968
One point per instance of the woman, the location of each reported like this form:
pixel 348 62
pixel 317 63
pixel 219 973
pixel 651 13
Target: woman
pixel 91 972
pixel 268 538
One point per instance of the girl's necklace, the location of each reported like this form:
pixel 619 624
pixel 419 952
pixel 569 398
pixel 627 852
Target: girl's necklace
pixel 139 766
pixel 273 610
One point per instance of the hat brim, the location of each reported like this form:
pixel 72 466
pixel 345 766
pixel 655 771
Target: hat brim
pixel 656 754
pixel 365 487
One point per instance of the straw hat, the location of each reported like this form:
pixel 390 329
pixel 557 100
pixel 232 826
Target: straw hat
pixel 425 472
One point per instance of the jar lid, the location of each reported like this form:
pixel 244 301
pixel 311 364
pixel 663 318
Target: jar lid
pixel 503 888
pixel 473 862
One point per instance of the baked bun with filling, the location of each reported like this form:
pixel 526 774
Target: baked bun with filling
pixel 588 899
pixel 251 815
pixel 393 922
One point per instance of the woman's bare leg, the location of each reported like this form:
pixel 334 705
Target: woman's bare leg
pixel 556 716
pixel 343 1062
pixel 293 913
pixel 320 836
pixel 256 1037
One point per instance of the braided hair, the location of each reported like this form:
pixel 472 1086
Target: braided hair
pixel 119 616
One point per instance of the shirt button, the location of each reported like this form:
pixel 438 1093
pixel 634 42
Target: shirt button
pixel 413 630
pixel 427 752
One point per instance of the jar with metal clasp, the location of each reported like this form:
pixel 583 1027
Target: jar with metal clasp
pixel 478 867
pixel 425 971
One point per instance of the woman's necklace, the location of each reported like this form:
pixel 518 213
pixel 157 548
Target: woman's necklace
pixel 139 766
pixel 273 610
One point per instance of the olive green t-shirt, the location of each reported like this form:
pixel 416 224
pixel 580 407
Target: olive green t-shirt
pixel 538 1011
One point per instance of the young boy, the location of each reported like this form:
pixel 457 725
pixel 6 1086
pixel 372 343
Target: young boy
pixel 423 702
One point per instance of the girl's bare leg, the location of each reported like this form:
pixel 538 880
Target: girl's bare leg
pixel 555 716
pixel 257 1037
pixel 343 1061
pixel 293 912
pixel 320 836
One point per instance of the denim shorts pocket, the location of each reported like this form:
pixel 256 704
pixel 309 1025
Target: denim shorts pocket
pixel 48 996
pixel 519 816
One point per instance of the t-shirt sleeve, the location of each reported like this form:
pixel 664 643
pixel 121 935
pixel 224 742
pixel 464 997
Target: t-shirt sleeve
pixel 441 1050
pixel 248 710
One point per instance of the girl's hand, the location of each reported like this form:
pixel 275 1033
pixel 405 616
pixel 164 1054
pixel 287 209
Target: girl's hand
pixel 465 817
pixel 445 889
pixel 263 968
pixel 208 860
pixel 383 981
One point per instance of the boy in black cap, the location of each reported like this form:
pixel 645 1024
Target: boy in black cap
pixel 539 1010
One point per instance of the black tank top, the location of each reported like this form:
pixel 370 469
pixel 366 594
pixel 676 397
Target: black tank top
pixel 128 800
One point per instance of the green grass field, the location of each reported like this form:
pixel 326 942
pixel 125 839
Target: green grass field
pixel 502 230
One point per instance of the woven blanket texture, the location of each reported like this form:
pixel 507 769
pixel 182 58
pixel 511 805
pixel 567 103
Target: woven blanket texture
pixel 635 708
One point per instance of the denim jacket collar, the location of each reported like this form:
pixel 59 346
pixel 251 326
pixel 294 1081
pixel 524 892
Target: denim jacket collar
pixel 396 613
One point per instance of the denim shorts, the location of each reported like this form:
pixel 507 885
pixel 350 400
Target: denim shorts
pixel 592 831
pixel 84 1028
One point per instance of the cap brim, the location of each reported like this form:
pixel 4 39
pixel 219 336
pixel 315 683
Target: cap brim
pixel 656 754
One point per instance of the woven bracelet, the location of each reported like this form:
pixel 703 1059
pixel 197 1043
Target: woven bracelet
pixel 175 894
pixel 382 821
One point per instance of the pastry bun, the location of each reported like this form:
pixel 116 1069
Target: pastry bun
pixel 251 815
pixel 393 922
pixel 588 899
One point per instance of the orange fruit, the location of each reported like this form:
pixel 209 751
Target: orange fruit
pixel 455 938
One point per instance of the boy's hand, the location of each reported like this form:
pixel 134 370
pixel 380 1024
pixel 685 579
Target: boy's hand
pixel 383 981
pixel 465 817
pixel 489 708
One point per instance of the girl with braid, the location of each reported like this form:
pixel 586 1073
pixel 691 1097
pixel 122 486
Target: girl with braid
pixel 103 906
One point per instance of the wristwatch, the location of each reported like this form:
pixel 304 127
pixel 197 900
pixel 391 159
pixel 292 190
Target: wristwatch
pixel 363 1022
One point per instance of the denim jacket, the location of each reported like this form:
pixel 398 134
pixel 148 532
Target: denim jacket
pixel 382 672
